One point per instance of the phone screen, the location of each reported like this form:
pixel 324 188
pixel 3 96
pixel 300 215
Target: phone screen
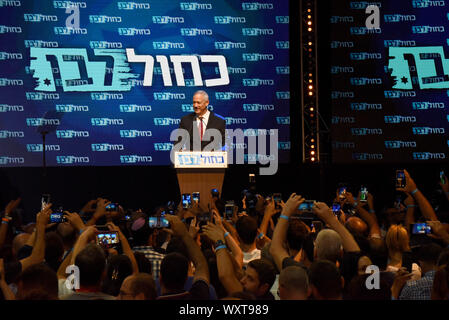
pixel 421 228
pixel 363 194
pixel 336 207
pixel 158 222
pixel 306 206
pixel 342 192
pixel 111 207
pixel 107 238
pixel 196 196
pixel 442 177
pixel 45 200
pixel 252 178
pixel 229 211
pixel 186 200
pixel 400 179
pixel 56 217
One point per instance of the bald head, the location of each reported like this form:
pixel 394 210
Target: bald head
pixel 19 241
pixel 138 287
pixel 357 226
pixel 293 283
pixel 328 245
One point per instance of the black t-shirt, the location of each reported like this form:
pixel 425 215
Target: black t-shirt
pixel 349 266
pixel 289 261
pixel 12 271
pixel 198 291
pixel 267 296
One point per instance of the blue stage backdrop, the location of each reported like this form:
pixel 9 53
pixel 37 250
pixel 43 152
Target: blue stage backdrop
pixel 390 85
pixel 110 80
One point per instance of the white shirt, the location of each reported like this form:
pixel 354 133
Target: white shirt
pixel 205 121
pixel 249 256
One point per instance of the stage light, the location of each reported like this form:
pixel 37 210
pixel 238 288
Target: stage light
pixel 312 146
pixel 310 80
pixel 310 93
pixel 311 109
pixel 313 159
pixel 310 43
pixel 309 17
pixel 310 87
pixel 310 29
pixel 312 153
pixel 312 140
pixel 309 23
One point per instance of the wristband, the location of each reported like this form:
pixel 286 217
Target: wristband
pixel 4 222
pixel 260 236
pixel 414 191
pixel 220 247
pixel 226 234
pixel 284 217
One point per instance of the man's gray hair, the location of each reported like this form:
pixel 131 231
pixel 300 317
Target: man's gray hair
pixel 328 245
pixel 203 93
pixel 294 278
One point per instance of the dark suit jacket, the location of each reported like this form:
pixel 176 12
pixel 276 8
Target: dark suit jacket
pixel 215 121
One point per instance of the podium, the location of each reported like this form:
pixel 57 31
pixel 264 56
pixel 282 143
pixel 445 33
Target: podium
pixel 200 171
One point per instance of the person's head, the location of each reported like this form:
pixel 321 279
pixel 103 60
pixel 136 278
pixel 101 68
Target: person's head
pixel 440 288
pixel 246 228
pixel 428 255
pixel 397 239
pixel 357 226
pixel 117 269
pixel 143 263
pixel 138 287
pixel 38 282
pixel 325 280
pixel 296 234
pixel 358 289
pixel 54 250
pixel 328 246
pixel 293 284
pixel 174 269
pixel 362 264
pixel 91 262
pixel 140 230
pixel 259 277
pixel 200 102
pixel 18 242
pixel 67 233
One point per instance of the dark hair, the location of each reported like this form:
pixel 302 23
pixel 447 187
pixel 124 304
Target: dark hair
pixel 118 268
pixel 67 234
pixel 91 262
pixel 429 253
pixel 54 249
pixel 174 268
pixel 265 271
pixel 143 263
pixel 143 283
pixel 39 278
pixel 325 277
pixel 296 234
pixel 140 230
pixel 247 229
pixel 444 257
pixel 177 245
pixel 242 295
pixel 359 291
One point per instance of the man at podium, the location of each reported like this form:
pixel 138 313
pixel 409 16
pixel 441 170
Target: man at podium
pixel 205 128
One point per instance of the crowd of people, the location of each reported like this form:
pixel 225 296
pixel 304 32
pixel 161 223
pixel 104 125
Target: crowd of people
pixel 264 250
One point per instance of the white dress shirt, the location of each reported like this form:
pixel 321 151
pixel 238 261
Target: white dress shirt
pixel 205 120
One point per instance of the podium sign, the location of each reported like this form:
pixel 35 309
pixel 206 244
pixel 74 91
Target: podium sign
pixel 200 171
pixel 201 159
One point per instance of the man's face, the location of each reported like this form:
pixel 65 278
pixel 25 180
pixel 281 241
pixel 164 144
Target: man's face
pixel 250 282
pixel 200 104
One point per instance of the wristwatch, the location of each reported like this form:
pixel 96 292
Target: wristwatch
pixel 219 243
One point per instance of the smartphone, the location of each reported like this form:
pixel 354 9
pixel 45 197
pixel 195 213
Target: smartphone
pixel 229 211
pixel 196 197
pixel 252 178
pixel 306 206
pixel 158 222
pixel 317 225
pixel 421 228
pixel 342 193
pixel 112 207
pixel 186 200
pixel 277 198
pixel 107 238
pixel 215 193
pixel 442 177
pixel 400 179
pixel 363 194
pixel 45 200
pixel 203 219
pixel 336 207
pixel 397 202
pixel 57 216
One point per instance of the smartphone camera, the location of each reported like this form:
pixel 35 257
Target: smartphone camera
pixel 107 239
pixel 158 223
pixel 112 207
pixel 421 228
pixel 363 194
pixel 215 193
pixel 229 211
pixel 277 198
pixel 196 197
pixel 400 179
pixel 186 200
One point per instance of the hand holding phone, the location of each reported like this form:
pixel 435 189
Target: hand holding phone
pixel 196 197
pixel 421 228
pixel 277 198
pixel 107 239
pixel 158 223
pixel 400 179
pixel 186 200
pixel 363 194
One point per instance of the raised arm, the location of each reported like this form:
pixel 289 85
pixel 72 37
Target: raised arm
pixel 424 205
pixel 12 205
pixel 226 272
pixel 7 292
pixel 326 214
pixel 125 246
pixel 277 249
pixel 38 253
pixel 99 212
pixel 179 229
pixel 369 216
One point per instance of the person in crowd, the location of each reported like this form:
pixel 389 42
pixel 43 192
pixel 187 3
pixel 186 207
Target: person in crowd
pixel 326 283
pixel 294 284
pixel 247 228
pixel 140 286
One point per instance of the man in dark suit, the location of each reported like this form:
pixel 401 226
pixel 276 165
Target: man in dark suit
pixel 199 124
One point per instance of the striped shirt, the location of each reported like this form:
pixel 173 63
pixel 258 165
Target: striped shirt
pixel 154 257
